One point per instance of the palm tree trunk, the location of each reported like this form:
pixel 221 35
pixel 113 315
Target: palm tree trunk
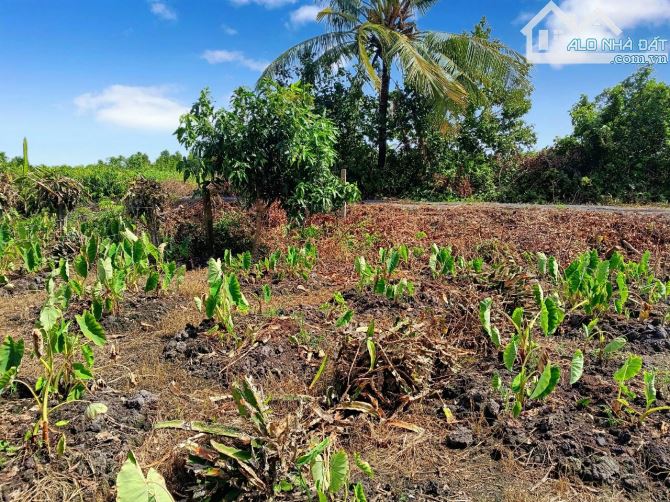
pixel 383 117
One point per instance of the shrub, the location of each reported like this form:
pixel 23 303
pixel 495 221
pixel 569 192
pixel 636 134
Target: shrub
pixel 104 183
pixel 233 231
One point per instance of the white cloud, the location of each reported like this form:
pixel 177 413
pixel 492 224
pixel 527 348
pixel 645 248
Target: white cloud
pixel 268 4
pixel 624 13
pixel 523 17
pixel 162 10
pixel 228 30
pixel 304 15
pixel 148 108
pixel 224 56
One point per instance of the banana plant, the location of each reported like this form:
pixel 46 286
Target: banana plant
pixel 258 463
pixel 238 468
pixel 224 298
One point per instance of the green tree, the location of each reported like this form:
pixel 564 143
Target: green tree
pixel 487 139
pixel 167 161
pixel 619 149
pixel 442 66
pixel 198 132
pixel 340 95
pixel 271 146
pixel 138 161
pixel 625 137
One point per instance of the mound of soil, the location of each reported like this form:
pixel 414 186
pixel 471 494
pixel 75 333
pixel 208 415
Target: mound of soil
pixel 95 449
pixel 20 284
pixel 274 353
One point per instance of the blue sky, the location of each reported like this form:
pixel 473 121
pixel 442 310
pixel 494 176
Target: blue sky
pixel 85 80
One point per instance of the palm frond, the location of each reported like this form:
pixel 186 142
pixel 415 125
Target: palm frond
pixel 482 61
pixel 315 46
pixel 338 20
pixel 353 8
pixel 344 52
pixel 375 35
pixel 422 6
pixel 424 73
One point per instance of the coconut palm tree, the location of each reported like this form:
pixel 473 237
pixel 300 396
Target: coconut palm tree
pixel 449 68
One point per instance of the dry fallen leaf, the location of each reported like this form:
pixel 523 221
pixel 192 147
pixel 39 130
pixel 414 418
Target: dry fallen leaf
pixel 401 424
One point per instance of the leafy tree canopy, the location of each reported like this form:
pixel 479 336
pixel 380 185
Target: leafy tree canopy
pixel 624 134
pixel 270 146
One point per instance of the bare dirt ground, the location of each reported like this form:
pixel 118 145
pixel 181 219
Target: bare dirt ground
pixel 156 368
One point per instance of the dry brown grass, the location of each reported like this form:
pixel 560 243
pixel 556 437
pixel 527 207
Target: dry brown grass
pixel 401 458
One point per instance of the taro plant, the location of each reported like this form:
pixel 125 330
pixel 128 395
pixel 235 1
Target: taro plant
pixel 8 249
pixel 587 283
pixel 268 265
pixel 380 277
pixel 161 274
pixel 338 306
pixel 239 264
pixel 120 264
pixel 548 266
pixel 66 361
pixel 224 296
pixel 31 252
pixel 264 297
pixel 652 289
pixel 301 261
pixel 442 261
pixel 629 370
pixel 133 486
pixel 605 347
pixel 536 377
pixel 329 474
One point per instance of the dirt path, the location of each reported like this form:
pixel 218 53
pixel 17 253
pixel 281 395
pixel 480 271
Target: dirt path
pixel 404 204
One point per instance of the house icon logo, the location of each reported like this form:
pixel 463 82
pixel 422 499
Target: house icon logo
pixel 553 36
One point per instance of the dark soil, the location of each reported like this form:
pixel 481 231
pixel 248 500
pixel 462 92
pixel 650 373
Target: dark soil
pixel 274 352
pixel 94 448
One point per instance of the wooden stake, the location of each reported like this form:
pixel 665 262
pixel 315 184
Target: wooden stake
pixel 343 177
